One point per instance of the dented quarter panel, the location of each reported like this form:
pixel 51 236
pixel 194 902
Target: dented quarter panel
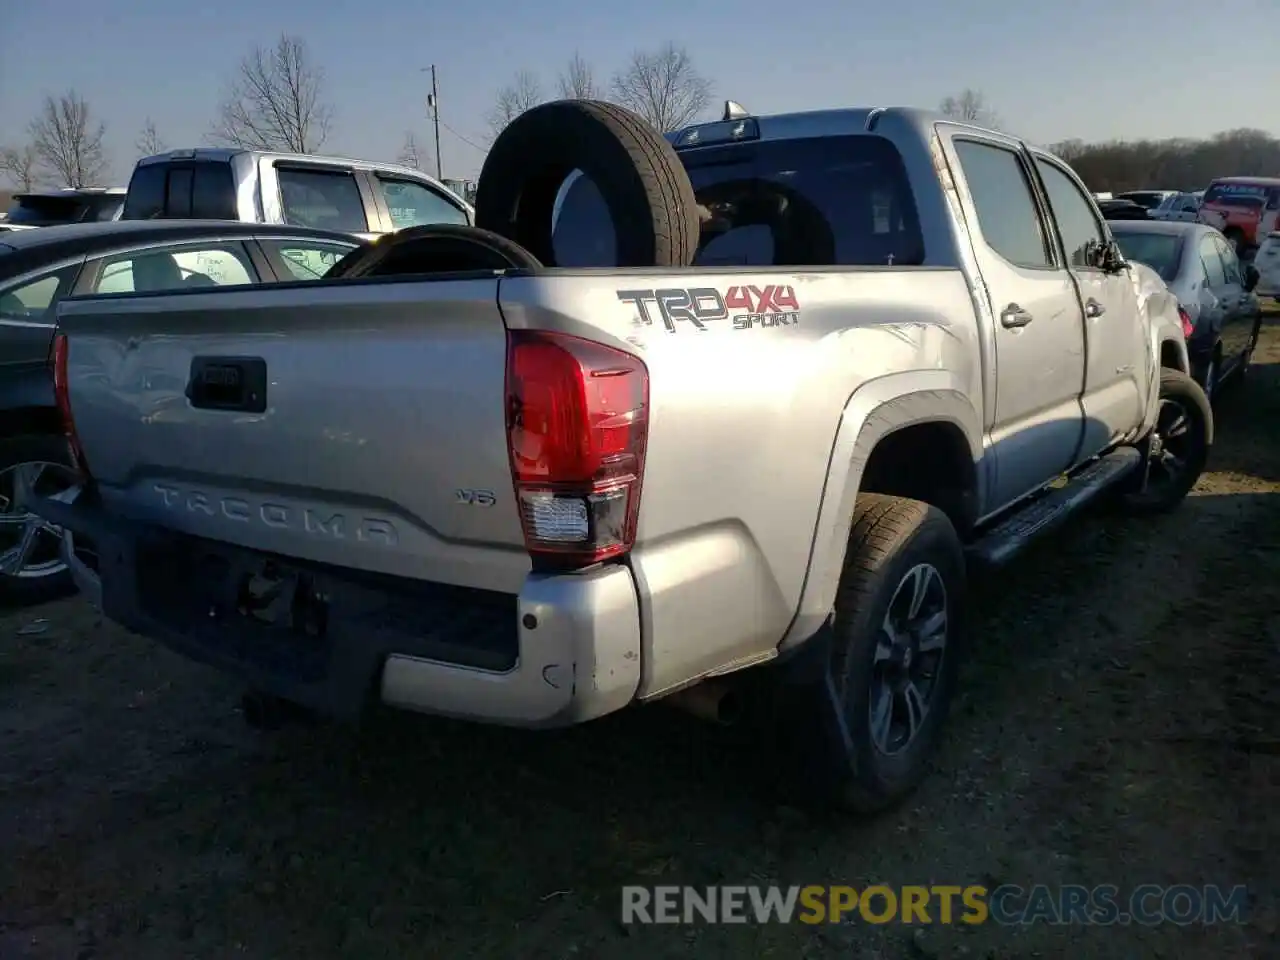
pixel 743 427
pixel 1159 311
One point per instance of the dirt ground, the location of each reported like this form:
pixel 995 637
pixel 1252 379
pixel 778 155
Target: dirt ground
pixel 1119 724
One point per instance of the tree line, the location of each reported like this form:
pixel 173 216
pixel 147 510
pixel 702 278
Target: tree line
pixel 276 100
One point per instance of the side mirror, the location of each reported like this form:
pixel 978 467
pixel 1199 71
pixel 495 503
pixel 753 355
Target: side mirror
pixel 1106 256
pixel 1251 277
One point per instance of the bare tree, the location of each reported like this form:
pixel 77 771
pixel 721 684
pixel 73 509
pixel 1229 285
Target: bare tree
pixel 149 142
pixel 578 81
pixel 410 156
pixel 21 164
pixel 970 106
pixel 67 140
pixel 275 102
pixel 522 93
pixel 664 87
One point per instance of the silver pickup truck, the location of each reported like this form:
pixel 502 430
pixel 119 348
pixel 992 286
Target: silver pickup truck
pixel 883 347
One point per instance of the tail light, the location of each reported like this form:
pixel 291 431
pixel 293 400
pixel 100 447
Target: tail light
pixel 577 425
pixel 1188 327
pixel 62 398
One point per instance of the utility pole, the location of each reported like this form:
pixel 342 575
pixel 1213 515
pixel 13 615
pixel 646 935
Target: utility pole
pixel 433 101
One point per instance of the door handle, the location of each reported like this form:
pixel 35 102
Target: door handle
pixel 1014 316
pixel 1094 309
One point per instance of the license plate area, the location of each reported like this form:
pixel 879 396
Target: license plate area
pixel 254 609
pixel 281 597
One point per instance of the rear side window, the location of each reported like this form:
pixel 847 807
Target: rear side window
pixel 324 199
pixel 1001 192
pixel 30 302
pixel 413 204
pixel 304 259
pixel 1212 260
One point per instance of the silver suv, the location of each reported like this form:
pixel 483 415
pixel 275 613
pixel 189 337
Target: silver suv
pixel 326 193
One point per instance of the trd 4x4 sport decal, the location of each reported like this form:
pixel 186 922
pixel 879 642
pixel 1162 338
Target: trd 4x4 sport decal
pixel 746 306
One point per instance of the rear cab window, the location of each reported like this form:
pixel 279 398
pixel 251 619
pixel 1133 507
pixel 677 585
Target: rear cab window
pixel 200 189
pixel 842 200
pixel 323 199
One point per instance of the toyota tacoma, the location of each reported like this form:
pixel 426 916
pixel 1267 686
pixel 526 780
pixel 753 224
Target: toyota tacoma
pixel 751 410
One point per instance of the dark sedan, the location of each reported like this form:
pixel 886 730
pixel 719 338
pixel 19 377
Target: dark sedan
pixel 38 268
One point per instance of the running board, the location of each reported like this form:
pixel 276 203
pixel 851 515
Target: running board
pixel 1008 537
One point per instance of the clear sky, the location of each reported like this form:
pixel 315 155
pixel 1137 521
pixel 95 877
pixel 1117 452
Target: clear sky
pixel 1082 68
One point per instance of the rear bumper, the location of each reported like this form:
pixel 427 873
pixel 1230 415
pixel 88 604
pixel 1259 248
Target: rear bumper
pixel 566 649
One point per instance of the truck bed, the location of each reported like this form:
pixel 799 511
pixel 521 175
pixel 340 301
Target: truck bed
pixel 382 446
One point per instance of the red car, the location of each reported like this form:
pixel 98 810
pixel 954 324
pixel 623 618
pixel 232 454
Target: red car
pixel 1243 208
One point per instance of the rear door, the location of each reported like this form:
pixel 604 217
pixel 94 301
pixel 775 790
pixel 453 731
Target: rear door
pixel 1214 304
pixel 1116 375
pixel 1237 317
pixel 1039 339
pixel 27 317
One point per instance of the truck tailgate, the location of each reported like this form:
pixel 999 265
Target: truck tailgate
pixel 378 441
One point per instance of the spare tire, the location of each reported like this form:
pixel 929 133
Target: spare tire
pixel 638 174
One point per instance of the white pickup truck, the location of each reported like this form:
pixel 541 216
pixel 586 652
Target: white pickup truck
pixel 841 357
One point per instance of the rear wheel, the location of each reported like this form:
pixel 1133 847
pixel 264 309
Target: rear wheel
pixel 32 569
pixel 896 647
pixel 1177 449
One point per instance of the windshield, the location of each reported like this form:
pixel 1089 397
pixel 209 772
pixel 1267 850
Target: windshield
pixel 1162 252
pixel 46 210
pixel 801 202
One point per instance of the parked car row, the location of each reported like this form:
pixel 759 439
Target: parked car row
pixel 45 208
pixel 38 269
pixel 1215 292
pixel 188 218
pixel 1246 210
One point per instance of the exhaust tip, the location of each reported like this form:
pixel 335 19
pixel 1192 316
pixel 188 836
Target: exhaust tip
pixel 709 700
pixel 729 710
